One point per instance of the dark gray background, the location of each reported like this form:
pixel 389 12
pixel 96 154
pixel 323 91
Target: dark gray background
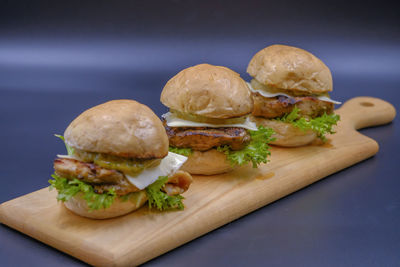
pixel 60 58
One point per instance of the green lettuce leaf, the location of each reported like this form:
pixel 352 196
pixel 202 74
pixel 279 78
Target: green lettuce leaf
pixel 321 125
pixel 182 151
pixel 70 150
pixel 255 152
pixel 67 189
pixel 161 200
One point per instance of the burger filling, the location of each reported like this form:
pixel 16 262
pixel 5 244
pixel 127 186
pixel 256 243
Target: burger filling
pixel 238 138
pixel 305 111
pixel 205 138
pixel 102 177
pixel 277 107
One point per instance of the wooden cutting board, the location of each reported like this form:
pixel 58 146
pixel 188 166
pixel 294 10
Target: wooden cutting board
pixel 210 202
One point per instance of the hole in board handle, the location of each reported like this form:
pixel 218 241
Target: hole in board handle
pixel 367 104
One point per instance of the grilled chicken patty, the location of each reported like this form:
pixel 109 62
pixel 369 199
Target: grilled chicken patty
pixel 205 138
pixel 103 179
pixel 276 107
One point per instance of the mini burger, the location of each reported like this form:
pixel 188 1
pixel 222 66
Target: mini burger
pixel 117 160
pixel 208 120
pixel 290 91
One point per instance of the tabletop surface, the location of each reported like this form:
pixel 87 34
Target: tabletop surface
pixel 51 72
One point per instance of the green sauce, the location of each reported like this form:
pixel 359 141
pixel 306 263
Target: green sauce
pixel 128 166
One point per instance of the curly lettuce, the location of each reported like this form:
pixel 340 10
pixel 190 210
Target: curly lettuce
pixel 321 125
pixel 70 150
pixel 182 151
pixel 161 200
pixel 255 152
pixel 69 188
pixel 156 197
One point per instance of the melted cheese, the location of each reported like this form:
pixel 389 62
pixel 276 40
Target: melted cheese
pixel 67 157
pixel 173 121
pixel 268 94
pixel 168 165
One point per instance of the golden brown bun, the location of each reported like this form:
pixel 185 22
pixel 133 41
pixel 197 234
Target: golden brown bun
pixel 207 163
pixel 78 205
pixel 123 128
pixel 286 135
pixel 290 68
pixel 209 91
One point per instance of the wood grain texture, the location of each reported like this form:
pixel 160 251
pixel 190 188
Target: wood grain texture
pixel 210 203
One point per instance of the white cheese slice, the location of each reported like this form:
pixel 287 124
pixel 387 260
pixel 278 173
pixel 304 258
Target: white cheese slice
pixel 168 165
pixel 67 157
pixel 268 94
pixel 173 121
pixel 327 99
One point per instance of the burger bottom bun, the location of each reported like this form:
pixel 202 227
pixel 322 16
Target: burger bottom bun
pixel 207 163
pixel 79 206
pixel 286 134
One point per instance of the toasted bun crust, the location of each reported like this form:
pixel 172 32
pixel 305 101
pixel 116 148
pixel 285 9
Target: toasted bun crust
pixel 207 163
pixel 286 135
pixel 209 91
pixel 78 205
pixel 122 128
pixel 290 68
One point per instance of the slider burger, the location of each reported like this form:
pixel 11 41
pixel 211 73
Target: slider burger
pixel 290 91
pixel 208 120
pixel 117 160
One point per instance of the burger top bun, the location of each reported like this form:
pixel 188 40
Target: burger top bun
pixel 123 128
pixel 209 91
pixel 290 68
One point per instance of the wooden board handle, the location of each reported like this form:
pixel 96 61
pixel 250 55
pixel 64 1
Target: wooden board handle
pixel 362 112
